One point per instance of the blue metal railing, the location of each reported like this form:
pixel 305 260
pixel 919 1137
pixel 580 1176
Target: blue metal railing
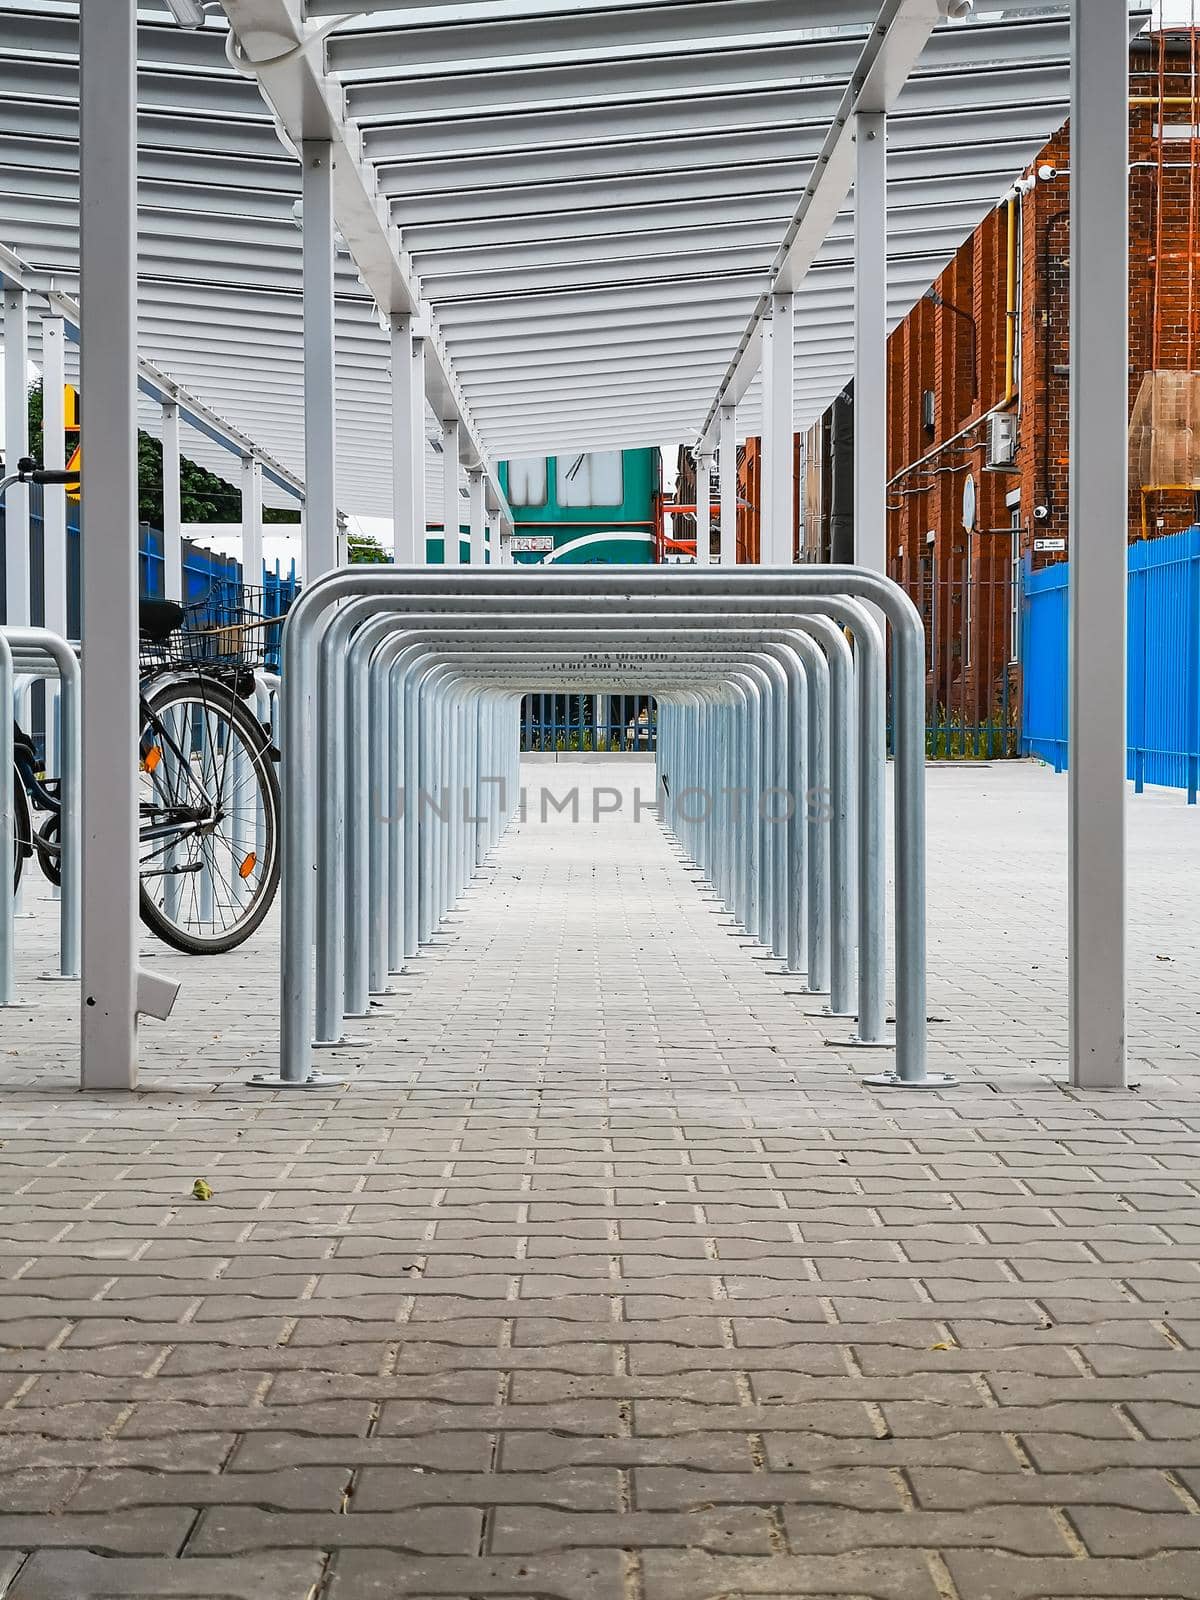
pixel 587 722
pixel 1163 699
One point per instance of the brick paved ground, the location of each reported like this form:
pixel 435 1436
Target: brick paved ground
pixel 607 1278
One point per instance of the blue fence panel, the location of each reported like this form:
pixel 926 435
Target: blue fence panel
pixel 1164 575
pixel 205 572
pixel 1163 702
pixel 1044 664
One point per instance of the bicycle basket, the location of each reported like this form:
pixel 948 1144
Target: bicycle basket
pixel 226 629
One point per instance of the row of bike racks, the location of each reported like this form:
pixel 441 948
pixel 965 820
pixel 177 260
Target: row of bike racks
pixel 399 726
pixel 27 654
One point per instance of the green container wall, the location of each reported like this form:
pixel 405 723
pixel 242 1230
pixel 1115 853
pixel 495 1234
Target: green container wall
pixel 622 535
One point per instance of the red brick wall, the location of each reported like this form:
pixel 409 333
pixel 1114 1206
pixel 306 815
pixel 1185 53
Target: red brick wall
pixel 931 350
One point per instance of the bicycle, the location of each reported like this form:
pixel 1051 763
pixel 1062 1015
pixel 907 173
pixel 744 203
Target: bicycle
pixel 209 801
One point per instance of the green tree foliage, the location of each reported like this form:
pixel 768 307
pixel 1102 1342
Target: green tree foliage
pixel 204 497
pixel 361 547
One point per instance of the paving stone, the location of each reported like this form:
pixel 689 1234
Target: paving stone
pixel 941 1488
pixel 667 1575
pixel 449 1452
pixel 607 1265
pixel 985 1575
pixel 743 1529
pixel 674 1489
pixel 290 1489
pixel 380 1575
pixel 35 1489
pixel 1110 1531
pixel 440 1530
pixel 1026 1530
pixel 57 1575
pixel 568 1488
pixel 145 1532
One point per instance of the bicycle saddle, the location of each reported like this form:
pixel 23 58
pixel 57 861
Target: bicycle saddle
pixel 158 619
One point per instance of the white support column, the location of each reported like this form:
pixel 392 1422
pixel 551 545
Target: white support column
pixel 54 455
pixel 870 341
pixel 108 548
pixel 252 522
pixel 491 538
pixel 766 450
pixel 478 525
pixel 452 515
pixel 419 446
pixel 16 445
pixel 1099 419
pixel 408 442
pixel 778 467
pixel 703 510
pixel 172 528
pixel 320 523
pixel 727 472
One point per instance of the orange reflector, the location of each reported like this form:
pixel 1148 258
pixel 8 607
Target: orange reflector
pixel 153 757
pixel 247 866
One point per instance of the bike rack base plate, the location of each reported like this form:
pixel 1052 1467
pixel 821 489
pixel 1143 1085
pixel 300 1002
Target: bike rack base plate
pixel 315 1080
pixel 893 1080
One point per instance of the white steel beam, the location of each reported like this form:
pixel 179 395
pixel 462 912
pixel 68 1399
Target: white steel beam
pixel 892 50
pixel 172 525
pixel 108 548
pixel 54 455
pixel 727 469
pixel 16 445
pixel 870 342
pixel 1098 541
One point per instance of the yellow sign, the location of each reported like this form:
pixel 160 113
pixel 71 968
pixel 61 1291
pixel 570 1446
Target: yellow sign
pixel 75 465
pixel 70 408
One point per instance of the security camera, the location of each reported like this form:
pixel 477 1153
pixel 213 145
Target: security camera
pixel 1041 513
pixel 1047 173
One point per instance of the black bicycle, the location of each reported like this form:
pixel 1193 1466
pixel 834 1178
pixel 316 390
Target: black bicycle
pixel 209 805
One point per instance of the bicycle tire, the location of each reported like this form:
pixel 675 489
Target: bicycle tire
pixel 46 844
pixel 22 828
pixel 215 700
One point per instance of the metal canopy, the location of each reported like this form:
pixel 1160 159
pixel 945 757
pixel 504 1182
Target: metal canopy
pixel 583 204
pixel 219 308
pixel 596 197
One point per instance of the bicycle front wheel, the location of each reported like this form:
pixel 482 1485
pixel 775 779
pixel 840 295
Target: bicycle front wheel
pixel 22 827
pixel 209 828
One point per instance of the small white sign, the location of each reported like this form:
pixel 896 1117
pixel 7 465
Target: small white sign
pixel 1049 545
pixel 531 541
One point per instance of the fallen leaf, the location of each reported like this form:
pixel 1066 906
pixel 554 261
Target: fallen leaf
pixel 201 1190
